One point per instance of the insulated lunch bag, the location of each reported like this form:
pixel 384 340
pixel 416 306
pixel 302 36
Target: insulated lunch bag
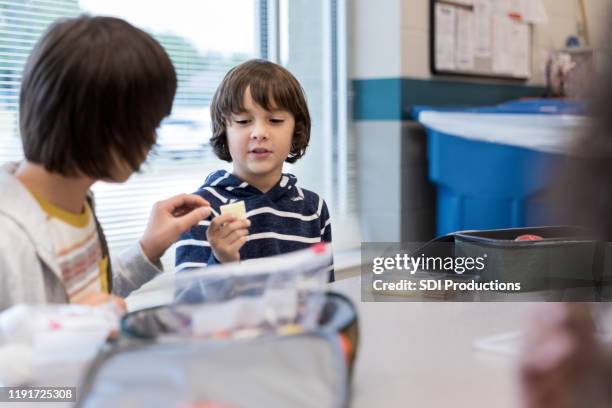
pixel 552 258
pixel 185 354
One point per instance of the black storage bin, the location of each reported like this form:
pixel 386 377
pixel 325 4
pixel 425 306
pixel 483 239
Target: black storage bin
pixel 565 257
pixel 567 263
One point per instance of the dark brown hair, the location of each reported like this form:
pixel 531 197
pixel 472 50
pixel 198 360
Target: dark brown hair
pixel 583 188
pixel 271 87
pixel 94 89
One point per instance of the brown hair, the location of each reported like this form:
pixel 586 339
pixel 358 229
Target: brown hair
pixel 272 87
pixel 582 192
pixel 94 89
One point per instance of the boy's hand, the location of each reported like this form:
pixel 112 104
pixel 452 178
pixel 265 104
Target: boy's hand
pixel 226 235
pixel 99 298
pixel 170 218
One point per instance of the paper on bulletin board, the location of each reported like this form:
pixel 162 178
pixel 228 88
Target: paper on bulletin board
pixel 530 11
pixel 502 41
pixel 483 13
pixel 502 7
pixel 465 48
pixel 445 36
pixel 521 58
pixel 465 2
pixel 533 11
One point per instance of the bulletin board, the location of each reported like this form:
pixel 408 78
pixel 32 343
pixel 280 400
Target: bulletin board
pixel 484 38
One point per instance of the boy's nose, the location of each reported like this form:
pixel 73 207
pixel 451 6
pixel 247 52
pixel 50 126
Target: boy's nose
pixel 259 132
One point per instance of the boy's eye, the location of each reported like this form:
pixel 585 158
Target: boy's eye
pixel 275 120
pixel 242 121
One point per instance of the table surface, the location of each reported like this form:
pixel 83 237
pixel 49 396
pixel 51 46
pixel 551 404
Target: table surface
pixel 422 354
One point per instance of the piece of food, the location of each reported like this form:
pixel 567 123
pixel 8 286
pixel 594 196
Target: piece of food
pixel 237 208
pixel 347 346
pixel 528 237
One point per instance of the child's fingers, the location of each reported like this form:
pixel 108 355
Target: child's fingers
pixel 94 299
pixel 218 222
pixel 229 228
pixel 235 235
pixel 193 217
pixel 183 200
pixel 101 298
pixel 120 303
pixel 237 244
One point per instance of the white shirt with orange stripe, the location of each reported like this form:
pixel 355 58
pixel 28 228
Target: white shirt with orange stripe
pixel 78 249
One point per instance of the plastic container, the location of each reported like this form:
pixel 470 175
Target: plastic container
pixel 491 168
pixel 564 258
pixel 528 106
pixel 560 263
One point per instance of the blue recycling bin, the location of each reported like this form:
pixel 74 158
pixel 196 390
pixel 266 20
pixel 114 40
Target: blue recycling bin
pixel 491 166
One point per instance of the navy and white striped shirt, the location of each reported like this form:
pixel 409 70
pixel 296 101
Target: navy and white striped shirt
pixel 285 219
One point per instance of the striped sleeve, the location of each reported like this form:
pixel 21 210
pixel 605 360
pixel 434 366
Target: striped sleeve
pixel 326 235
pixel 192 248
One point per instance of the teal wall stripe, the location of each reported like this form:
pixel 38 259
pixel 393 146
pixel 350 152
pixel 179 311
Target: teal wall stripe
pixel 392 98
pixel 377 99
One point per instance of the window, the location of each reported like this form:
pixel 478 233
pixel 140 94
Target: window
pixel 310 41
pixel 21 24
pixel 203 44
pixel 204 38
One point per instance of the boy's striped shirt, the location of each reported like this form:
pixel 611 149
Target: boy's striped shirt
pixel 285 219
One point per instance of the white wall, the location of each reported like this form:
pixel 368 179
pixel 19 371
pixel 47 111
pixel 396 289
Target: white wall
pixel 374 38
pixel 390 38
pixel 599 13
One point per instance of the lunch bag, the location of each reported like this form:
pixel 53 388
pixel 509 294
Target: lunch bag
pixel 258 334
pixel 564 258
pixel 307 369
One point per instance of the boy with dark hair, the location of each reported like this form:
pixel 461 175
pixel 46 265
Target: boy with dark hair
pixel 94 90
pixel 260 120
